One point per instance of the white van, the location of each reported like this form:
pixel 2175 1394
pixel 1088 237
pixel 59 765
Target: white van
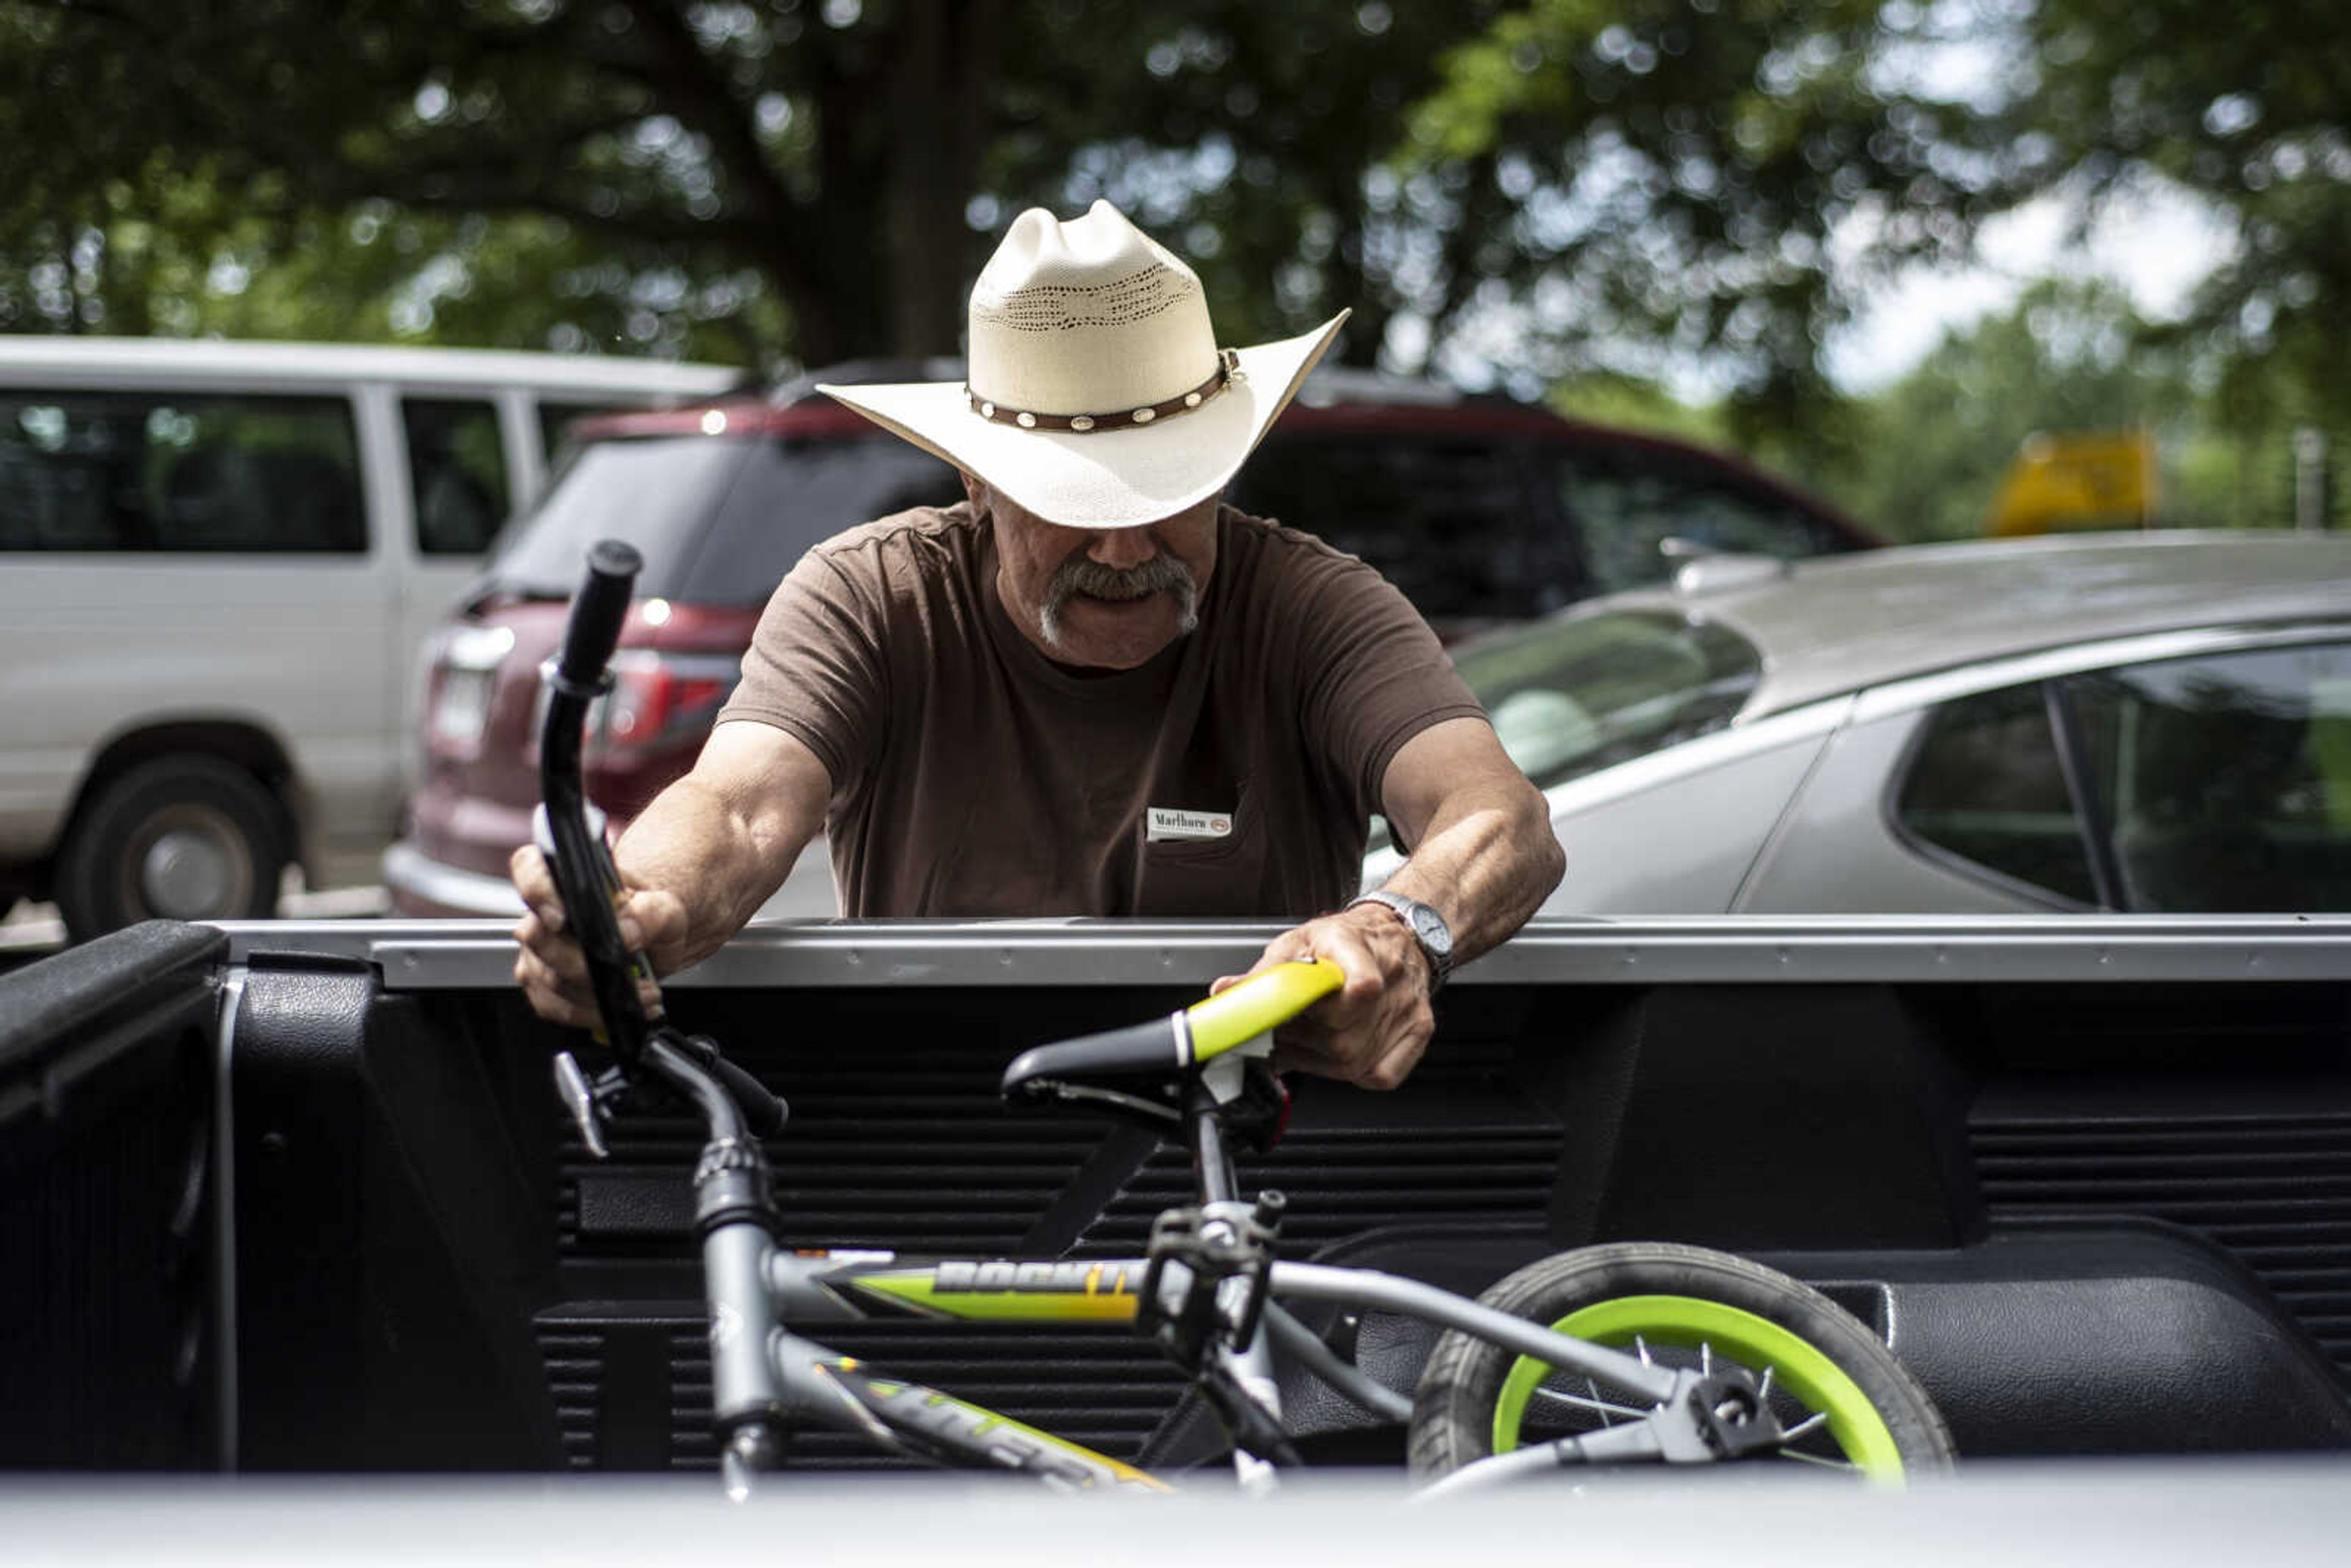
pixel 218 562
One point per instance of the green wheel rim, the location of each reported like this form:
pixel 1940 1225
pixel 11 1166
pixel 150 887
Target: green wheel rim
pixel 1753 1342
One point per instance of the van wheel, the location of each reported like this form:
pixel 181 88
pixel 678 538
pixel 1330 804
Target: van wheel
pixel 179 838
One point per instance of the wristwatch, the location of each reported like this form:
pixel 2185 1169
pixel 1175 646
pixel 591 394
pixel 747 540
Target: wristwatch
pixel 1427 928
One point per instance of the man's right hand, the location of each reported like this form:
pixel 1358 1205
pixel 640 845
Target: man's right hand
pixel 551 969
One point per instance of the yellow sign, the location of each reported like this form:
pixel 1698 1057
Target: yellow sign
pixel 2093 481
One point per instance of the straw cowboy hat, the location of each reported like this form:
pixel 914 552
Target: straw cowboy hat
pixel 1097 395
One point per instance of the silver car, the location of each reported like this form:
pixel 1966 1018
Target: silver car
pixel 2154 722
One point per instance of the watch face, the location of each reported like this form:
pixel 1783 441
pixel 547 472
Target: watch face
pixel 1432 929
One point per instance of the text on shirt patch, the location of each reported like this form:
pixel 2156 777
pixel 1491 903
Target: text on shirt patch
pixel 1163 823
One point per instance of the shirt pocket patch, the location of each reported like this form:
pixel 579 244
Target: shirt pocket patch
pixel 1202 861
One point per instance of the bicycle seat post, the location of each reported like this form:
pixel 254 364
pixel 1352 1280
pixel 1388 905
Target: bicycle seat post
pixel 1212 1155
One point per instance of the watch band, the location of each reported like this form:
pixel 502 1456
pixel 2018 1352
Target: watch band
pixel 1414 916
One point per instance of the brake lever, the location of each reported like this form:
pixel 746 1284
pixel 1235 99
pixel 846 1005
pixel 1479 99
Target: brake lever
pixel 581 1098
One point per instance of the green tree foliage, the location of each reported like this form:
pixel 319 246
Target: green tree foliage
pixel 1250 134
pixel 1547 188
pixel 1922 458
pixel 680 163
pixel 1931 448
pixel 645 174
pixel 2250 108
pixel 1709 179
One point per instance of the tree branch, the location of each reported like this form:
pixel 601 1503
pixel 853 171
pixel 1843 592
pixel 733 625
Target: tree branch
pixel 690 86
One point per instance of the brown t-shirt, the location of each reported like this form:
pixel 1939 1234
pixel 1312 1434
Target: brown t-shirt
pixel 1232 775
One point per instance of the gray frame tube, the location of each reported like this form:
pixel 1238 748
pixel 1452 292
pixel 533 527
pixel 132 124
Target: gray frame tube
pixel 1366 1287
pixel 1299 1341
pixel 743 1380
pixel 797 1294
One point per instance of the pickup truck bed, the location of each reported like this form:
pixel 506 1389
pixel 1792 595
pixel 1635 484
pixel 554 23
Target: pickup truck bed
pixel 287 1197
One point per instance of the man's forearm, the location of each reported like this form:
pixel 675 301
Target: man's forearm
pixel 718 863
pixel 1485 864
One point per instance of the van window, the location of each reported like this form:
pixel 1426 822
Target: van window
pixel 179 473
pixel 457 472
pixel 1623 503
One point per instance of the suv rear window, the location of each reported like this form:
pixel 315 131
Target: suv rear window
pixel 794 493
pixel 718 520
pixel 1625 504
pixel 1571 696
pixel 1448 519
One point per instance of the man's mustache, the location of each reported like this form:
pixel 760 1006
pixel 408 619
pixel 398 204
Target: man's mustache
pixel 1080 574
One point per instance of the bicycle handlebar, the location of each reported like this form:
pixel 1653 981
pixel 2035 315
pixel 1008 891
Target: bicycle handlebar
pixel 1261 1003
pixel 593 629
pixel 581 865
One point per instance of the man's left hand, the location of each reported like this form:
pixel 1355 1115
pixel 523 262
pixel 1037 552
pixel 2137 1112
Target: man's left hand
pixel 1372 1029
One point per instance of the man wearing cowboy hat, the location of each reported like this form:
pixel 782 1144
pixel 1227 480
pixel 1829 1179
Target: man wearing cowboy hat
pixel 1091 688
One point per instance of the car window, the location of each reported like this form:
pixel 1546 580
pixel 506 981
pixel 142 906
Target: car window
pixel 655 494
pixel 792 493
pixel 457 472
pixel 1448 519
pixel 556 420
pixel 179 473
pixel 1623 503
pixel 1576 694
pixel 2226 778
pixel 718 520
pixel 1986 785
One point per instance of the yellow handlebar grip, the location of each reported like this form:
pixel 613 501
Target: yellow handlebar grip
pixel 1240 1013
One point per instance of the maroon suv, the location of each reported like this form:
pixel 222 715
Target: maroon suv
pixel 1481 511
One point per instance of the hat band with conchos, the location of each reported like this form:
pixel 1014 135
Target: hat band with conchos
pixel 1228 371
pixel 1096 395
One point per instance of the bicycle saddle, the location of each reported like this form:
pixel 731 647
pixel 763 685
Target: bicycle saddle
pixel 1140 1071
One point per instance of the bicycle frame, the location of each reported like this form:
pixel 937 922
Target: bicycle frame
pixel 765 1377
pixel 847 1287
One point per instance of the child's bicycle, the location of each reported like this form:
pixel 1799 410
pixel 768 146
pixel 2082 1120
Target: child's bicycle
pixel 1726 1360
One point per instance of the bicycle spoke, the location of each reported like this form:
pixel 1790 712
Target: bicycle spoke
pixel 1594 1403
pixel 1819 1461
pixel 1706 1358
pixel 1642 1345
pixel 1763 1388
pixel 1806 1427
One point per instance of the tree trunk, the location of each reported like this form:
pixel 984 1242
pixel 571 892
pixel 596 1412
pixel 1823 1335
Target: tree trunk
pixel 942 67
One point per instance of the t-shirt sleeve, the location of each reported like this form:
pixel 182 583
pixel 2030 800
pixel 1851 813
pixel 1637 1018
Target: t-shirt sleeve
pixel 1373 674
pixel 815 668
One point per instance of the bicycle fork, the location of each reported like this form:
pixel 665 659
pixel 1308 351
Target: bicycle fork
pixel 1210 1311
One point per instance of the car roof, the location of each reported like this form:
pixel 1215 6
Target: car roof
pixel 154 357
pixel 1838 623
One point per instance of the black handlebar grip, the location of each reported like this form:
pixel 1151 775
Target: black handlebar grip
pixel 763 1113
pixel 596 615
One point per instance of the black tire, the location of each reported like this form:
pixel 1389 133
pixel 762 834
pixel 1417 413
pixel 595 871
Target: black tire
pixel 182 837
pixel 1461 1390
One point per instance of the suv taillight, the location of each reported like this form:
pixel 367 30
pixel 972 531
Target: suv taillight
pixel 460 670
pixel 659 700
